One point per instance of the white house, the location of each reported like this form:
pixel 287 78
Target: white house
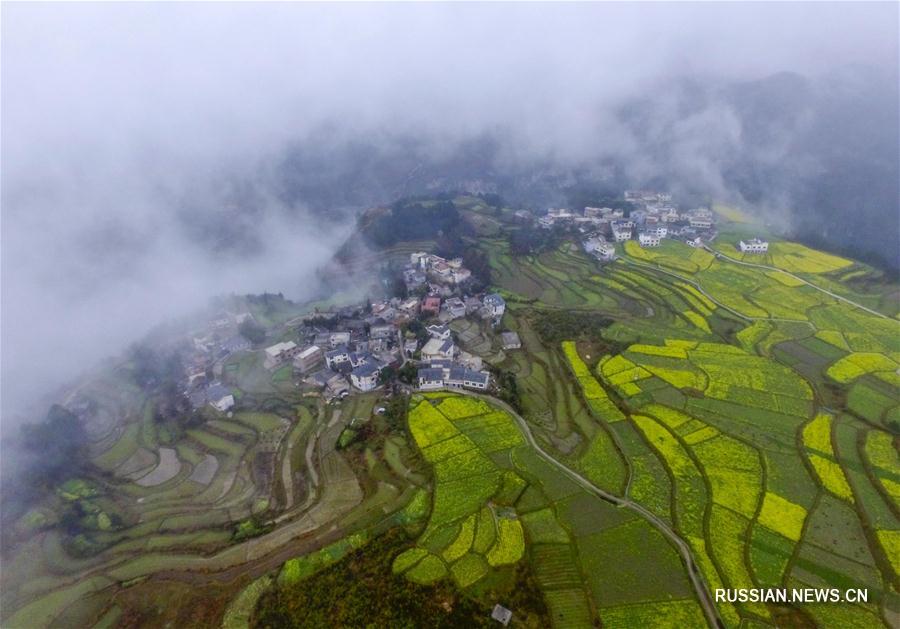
pixel 338 338
pixel 510 340
pixel 336 357
pixel 220 397
pixel 460 275
pixel 460 377
pixel 700 222
pixel 308 358
pixel 441 332
pixel 621 233
pixel 695 242
pixel 495 304
pixel 648 240
pixel 455 307
pixel 438 348
pixel 606 251
pixel 382 331
pixel 660 231
pixel 754 245
pixel 279 353
pixel 592 244
pixel 430 378
pixel 365 377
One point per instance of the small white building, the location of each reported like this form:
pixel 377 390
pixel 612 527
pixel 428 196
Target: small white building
pixel 621 233
pixel 337 356
pixel 430 378
pixel 660 231
pixel 754 245
pixel 700 222
pixel 437 348
pixel 648 239
pixel 455 307
pixel 495 305
pixel 592 244
pixel 382 331
pixel 606 251
pixel 220 397
pixel 365 377
pixel 438 331
pixel 338 339
pixel 307 359
pixel 461 377
pixel 501 615
pixel 510 340
pixel 280 353
pixel 695 242
pixel 460 275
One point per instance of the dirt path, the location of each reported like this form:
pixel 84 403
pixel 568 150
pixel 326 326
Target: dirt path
pixel 722 256
pixel 286 478
pixel 710 297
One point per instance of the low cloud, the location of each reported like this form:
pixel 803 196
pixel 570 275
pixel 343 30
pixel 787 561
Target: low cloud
pixel 150 151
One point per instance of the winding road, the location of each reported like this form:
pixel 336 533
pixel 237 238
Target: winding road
pixel 696 285
pixel 723 256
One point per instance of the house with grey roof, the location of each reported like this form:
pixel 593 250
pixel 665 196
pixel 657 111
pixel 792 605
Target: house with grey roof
pixel 337 356
pixel 510 340
pixel 438 348
pixel 438 331
pixel 365 377
pixel 220 396
pixel 495 305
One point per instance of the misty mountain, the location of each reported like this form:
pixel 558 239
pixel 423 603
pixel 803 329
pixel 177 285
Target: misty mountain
pixel 817 156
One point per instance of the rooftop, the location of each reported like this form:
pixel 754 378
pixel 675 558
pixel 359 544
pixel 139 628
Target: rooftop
pixel 276 349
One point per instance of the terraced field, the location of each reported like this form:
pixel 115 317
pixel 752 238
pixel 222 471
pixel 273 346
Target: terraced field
pixel 717 414
pixel 733 424
pixel 498 500
pixel 232 496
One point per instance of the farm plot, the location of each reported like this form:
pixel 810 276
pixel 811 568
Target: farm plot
pixel 455 434
pixel 820 452
pixel 595 395
pixel 167 469
pixel 502 512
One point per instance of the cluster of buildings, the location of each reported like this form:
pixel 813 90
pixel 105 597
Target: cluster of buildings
pixel 653 218
pixel 352 355
pixel 202 362
pixel 361 342
pixel 443 365
pixel 445 297
pixel 427 267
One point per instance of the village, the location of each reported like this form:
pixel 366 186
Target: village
pixel 407 341
pixel 375 345
pixel 654 218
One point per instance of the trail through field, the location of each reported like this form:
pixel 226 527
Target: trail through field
pixel 286 479
pixel 703 594
pixel 722 256
pixel 710 297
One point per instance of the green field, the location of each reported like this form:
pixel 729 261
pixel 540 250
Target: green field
pixel 676 402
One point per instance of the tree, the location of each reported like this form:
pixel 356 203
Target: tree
pixel 59 444
pixel 252 331
pixel 387 374
pixel 407 373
